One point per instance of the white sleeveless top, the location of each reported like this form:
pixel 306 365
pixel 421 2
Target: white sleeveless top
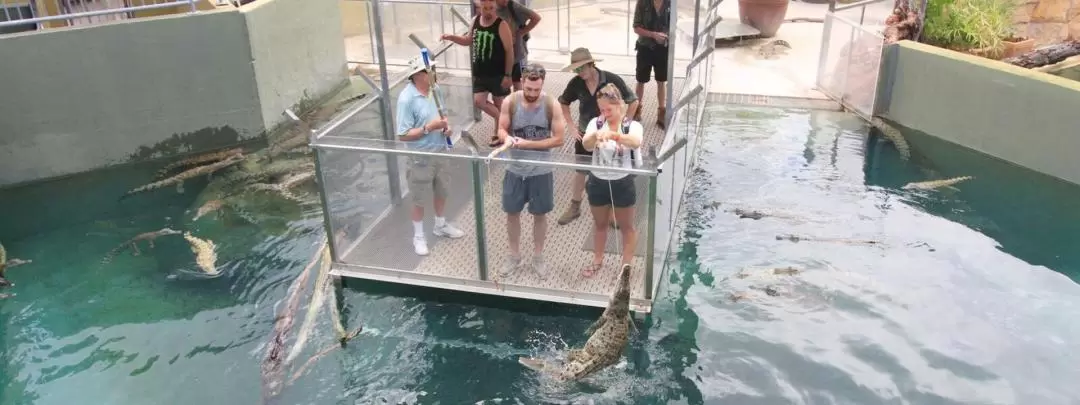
pixel 611 154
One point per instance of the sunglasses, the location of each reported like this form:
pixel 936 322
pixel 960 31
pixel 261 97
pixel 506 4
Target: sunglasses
pixel 534 71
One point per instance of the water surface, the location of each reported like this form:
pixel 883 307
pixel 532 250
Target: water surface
pixel 957 302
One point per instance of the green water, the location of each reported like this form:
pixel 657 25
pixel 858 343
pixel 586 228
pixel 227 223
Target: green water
pixel 964 301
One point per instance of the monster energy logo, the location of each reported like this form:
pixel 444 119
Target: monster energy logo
pixel 483 45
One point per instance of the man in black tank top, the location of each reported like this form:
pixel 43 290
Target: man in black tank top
pixel 492 59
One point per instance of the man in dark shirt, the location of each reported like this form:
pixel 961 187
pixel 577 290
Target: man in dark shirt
pixel 522 20
pixel 584 89
pixel 492 40
pixel 652 19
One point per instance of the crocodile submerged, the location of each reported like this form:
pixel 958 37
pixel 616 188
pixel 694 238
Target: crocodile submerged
pixel 3 267
pixel 134 242
pixel 798 238
pixel 205 254
pixel 932 184
pixel 178 179
pixel 608 338
pixel 198 160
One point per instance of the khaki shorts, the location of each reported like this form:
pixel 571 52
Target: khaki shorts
pixel 426 179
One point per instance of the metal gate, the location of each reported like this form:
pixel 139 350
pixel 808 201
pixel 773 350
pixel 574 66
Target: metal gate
pixel 850 61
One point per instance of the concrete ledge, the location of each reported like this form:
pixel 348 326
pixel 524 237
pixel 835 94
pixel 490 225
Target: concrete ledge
pixel 1025 117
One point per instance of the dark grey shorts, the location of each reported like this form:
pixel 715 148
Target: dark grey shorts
pixel 538 191
pixel 622 193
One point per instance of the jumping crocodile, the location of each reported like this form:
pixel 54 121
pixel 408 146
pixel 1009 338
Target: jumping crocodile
pixel 134 242
pixel 932 184
pixel 608 338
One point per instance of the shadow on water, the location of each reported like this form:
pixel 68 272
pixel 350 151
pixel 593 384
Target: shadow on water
pixel 1033 216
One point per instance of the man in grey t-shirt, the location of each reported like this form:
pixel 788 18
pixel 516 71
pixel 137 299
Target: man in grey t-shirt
pixel 532 124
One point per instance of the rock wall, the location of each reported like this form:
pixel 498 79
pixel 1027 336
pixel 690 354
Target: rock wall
pixel 1048 21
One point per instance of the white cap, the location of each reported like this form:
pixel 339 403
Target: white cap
pixel 416 65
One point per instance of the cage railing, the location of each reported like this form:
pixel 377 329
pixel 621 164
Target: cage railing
pixel 28 15
pixel 850 59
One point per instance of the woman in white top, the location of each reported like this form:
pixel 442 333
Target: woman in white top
pixel 615 141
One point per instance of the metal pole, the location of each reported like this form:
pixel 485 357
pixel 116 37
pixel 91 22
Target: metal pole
pixel 478 210
pixel 826 36
pixel 672 41
pixel 192 3
pixel 697 12
pixel 320 178
pixel 558 24
pixel 650 240
pixel 384 101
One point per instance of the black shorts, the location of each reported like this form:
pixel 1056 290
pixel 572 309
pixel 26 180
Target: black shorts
pixel 651 60
pixel 491 85
pixel 579 149
pixel 515 76
pixel 621 194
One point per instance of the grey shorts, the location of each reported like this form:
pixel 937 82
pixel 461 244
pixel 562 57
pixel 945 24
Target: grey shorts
pixel 428 181
pixel 622 193
pixel 538 191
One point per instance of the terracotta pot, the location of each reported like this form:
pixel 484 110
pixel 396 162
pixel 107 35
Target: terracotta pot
pixel 765 15
pixel 1018 46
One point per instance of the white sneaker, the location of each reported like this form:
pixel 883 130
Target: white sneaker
pixel 539 266
pixel 448 231
pixel 420 245
pixel 511 266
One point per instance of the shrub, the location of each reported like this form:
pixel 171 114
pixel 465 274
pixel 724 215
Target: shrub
pixel 976 26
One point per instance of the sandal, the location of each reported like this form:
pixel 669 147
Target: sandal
pixel 591 270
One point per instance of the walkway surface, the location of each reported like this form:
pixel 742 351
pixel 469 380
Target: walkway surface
pixel 605 28
pixel 568 247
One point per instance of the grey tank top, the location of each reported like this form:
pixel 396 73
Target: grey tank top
pixel 531 124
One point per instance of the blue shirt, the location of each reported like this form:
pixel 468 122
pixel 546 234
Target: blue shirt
pixel 413 111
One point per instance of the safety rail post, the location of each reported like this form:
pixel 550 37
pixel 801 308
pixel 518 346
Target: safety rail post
pixel 697 14
pixel 672 41
pixel 384 101
pixel 650 238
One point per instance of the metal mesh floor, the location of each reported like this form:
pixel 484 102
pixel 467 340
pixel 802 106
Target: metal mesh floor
pixel 567 250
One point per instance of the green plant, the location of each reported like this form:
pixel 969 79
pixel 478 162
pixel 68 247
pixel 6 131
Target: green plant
pixel 969 25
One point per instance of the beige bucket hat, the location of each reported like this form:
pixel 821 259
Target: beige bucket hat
pixel 579 57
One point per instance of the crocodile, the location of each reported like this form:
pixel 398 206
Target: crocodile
pixel 134 242
pixel 892 134
pixel 608 338
pixel 198 160
pixel 205 254
pixel 283 187
pixel 178 179
pixel 3 267
pixel 208 207
pixel 796 238
pixel 932 184
pixel 773 48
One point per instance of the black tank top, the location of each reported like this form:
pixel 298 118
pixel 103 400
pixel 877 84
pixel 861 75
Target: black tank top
pixel 489 57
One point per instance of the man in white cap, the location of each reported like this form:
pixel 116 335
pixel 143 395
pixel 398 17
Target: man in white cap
pixel 422 127
pixel 584 89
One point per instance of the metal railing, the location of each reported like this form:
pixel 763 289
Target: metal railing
pixel 850 60
pixel 29 15
pixel 339 149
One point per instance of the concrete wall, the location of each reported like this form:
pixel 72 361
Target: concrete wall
pixel 1028 118
pixel 297 52
pixel 86 97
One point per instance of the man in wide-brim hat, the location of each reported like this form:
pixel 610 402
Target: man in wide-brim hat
pixel 584 89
